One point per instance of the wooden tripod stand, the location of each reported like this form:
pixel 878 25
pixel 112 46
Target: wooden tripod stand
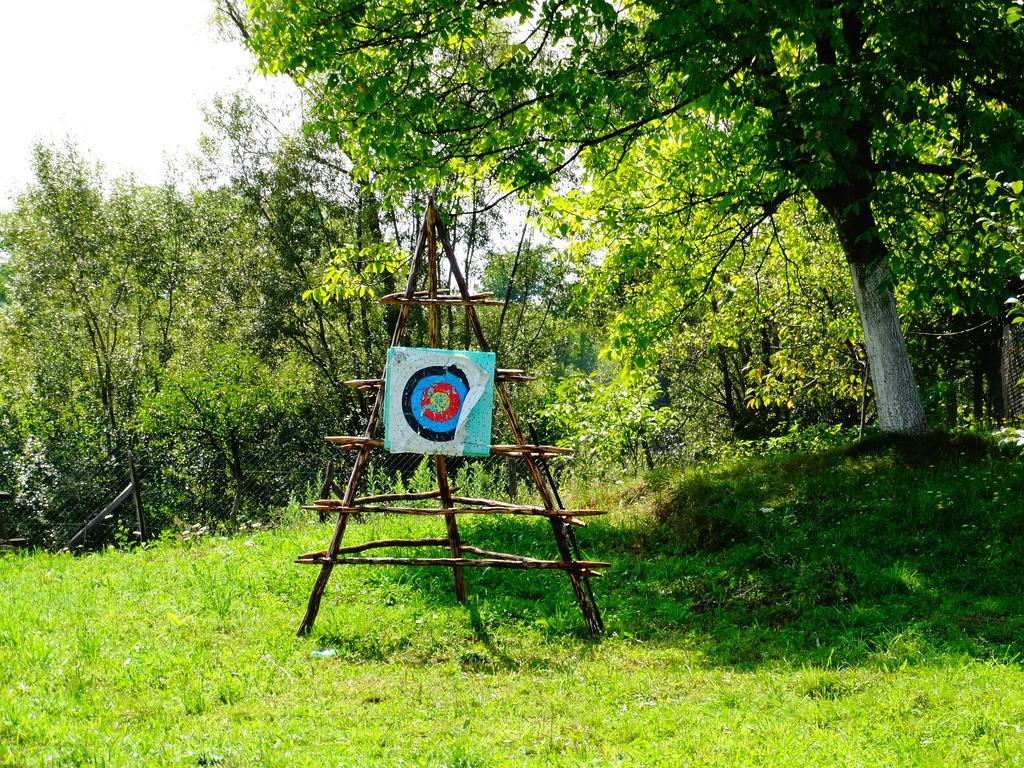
pixel 345 502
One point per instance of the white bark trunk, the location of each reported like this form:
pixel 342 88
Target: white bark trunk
pixel 896 396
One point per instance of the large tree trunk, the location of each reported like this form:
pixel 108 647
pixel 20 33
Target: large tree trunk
pixel 896 397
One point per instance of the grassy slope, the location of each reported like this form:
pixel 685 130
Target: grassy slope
pixel 846 608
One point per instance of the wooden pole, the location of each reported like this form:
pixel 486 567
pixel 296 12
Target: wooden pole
pixel 440 467
pixel 316 594
pixel 79 538
pixel 326 488
pixel 381 543
pixel 569 532
pixel 5 496
pixel 140 518
pixel 582 598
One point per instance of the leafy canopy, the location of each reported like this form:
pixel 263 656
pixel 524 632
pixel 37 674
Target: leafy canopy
pixel 800 90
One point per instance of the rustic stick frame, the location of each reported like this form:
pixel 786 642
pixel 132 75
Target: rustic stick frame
pixel 432 233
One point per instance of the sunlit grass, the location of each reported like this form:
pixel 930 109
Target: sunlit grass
pixel 845 608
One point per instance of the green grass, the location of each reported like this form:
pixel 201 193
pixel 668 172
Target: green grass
pixel 852 607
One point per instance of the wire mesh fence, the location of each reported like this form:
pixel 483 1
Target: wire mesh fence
pixel 50 506
pixel 1013 371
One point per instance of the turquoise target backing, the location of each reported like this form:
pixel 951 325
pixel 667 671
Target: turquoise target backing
pixel 438 401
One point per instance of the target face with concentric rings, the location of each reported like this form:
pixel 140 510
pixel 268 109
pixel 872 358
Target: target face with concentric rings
pixel 432 401
pixel 438 401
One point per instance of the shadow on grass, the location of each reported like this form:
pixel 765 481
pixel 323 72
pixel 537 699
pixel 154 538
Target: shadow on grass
pixel 888 550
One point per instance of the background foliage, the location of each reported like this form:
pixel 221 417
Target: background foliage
pixel 680 295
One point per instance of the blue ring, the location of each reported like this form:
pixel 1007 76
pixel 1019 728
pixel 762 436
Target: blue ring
pixel 412 393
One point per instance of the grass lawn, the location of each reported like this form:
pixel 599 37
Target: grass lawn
pixel 861 606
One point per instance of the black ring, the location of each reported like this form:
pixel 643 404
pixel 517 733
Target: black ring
pixel 410 385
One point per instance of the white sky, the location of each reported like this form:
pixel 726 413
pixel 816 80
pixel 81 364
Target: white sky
pixel 126 79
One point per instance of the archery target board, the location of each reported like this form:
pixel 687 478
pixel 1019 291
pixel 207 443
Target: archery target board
pixel 438 401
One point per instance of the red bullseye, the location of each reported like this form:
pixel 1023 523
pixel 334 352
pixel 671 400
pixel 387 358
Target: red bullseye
pixel 440 401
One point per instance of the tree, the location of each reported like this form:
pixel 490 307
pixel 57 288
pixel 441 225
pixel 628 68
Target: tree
pixel 96 268
pixel 226 401
pixel 866 107
pixel 93 302
pixel 297 209
pixel 115 296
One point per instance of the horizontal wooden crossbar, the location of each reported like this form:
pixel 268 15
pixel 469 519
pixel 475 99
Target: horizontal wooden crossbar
pixel 506 375
pixel 387 543
pixel 352 442
pixel 427 495
pixel 412 496
pixel 575 521
pixel 449 300
pixel 473 502
pixel 338 505
pixel 426 294
pixel 493 506
pixel 430 542
pixel 585 567
pixel 530 450
pixel 356 442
